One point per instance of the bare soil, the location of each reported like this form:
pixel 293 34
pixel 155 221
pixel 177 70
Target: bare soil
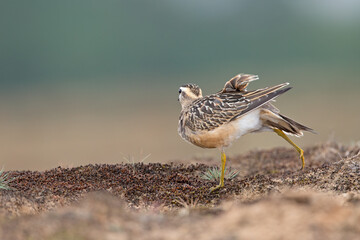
pixel 269 199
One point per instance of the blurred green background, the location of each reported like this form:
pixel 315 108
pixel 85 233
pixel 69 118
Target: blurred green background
pixel 97 81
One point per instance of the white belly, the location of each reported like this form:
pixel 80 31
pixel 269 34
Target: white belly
pixel 248 123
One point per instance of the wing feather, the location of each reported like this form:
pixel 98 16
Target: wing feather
pixel 212 111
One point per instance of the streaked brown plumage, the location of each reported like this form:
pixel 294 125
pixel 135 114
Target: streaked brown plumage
pixel 216 120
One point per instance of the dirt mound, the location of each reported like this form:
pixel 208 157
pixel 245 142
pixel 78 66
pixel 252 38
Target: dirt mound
pixel 167 196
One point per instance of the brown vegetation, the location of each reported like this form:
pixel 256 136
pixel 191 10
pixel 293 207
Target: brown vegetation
pixel 269 199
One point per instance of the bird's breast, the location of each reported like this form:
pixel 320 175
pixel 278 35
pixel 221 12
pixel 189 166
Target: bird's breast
pixel 220 137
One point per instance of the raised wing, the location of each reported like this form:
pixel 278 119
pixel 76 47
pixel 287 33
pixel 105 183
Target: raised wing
pixel 260 97
pixel 215 110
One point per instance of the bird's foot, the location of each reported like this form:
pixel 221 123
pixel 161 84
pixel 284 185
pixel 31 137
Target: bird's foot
pixel 216 187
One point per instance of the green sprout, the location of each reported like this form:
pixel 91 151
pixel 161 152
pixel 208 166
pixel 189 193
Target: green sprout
pixel 4 180
pixel 214 173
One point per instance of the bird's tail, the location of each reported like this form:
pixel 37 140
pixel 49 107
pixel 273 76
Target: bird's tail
pixel 278 121
pixel 239 83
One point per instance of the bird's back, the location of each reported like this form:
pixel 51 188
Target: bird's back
pixel 215 113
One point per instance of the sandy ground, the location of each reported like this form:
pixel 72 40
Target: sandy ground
pixel 269 199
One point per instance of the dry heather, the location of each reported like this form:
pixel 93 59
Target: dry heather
pixel 269 199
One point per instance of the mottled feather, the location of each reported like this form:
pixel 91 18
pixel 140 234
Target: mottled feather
pixel 217 109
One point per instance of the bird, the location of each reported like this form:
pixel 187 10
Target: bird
pixel 217 120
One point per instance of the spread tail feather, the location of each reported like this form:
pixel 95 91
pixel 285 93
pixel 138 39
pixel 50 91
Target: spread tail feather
pixel 239 83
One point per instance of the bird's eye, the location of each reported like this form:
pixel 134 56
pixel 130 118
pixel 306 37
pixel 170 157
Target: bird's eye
pixel 179 90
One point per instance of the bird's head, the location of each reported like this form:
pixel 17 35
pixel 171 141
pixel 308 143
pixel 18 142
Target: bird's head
pixel 188 93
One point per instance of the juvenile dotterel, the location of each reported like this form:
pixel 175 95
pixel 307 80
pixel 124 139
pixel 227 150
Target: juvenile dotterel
pixel 215 121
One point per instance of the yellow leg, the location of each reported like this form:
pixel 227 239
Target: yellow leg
pixel 223 162
pixel 300 151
